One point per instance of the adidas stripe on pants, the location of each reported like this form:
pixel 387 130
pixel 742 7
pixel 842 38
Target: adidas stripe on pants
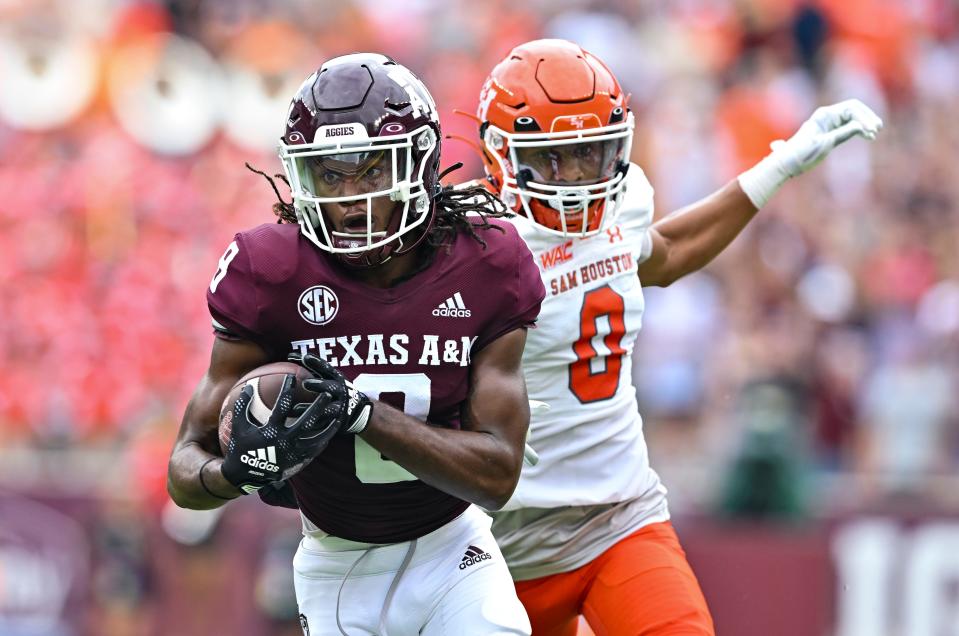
pixel 456 583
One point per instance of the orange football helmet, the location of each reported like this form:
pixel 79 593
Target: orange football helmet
pixel 556 134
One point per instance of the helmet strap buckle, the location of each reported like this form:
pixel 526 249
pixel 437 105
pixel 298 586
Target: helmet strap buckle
pixel 402 192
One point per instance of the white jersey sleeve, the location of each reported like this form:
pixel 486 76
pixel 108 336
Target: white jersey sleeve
pixel 578 360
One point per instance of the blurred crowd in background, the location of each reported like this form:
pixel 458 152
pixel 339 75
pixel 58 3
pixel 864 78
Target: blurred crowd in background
pixel 125 126
pixel 813 367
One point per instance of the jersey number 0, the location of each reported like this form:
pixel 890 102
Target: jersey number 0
pixel 585 383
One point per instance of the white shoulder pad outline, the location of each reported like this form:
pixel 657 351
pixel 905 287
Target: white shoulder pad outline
pixel 637 206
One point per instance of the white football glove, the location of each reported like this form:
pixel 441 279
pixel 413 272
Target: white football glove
pixel 828 127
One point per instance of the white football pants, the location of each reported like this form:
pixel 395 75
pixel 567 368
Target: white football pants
pixel 452 581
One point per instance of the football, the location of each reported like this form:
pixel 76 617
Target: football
pixel 267 381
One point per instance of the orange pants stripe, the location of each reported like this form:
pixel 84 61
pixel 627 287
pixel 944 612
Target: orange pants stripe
pixel 642 586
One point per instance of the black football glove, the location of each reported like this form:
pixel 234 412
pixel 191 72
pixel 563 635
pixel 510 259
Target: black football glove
pixel 279 494
pixel 262 453
pixel 349 407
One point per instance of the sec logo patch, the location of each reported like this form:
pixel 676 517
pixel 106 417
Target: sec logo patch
pixel 318 305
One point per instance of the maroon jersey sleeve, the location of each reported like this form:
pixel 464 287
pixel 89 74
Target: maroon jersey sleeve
pixel 519 278
pixel 232 294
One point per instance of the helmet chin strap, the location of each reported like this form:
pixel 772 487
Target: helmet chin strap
pixel 349 240
pixel 365 259
pixel 559 213
pixel 563 202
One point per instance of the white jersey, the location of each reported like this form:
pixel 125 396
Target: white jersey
pixel 578 360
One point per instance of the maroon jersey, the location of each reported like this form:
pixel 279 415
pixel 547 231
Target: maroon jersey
pixel 409 345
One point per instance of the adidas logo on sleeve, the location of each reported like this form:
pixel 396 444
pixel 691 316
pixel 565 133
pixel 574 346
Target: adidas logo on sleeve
pixel 454 307
pixel 262 458
pixel 473 556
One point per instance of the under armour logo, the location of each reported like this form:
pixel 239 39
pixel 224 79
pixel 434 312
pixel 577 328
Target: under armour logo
pixel 615 234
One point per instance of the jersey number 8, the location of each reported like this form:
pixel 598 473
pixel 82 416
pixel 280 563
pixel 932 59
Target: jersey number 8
pixel 371 466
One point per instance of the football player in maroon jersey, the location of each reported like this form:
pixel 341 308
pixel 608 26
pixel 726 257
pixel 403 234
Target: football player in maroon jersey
pixel 413 319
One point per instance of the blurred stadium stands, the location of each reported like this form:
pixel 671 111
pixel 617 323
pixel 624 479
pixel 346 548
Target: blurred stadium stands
pixel 800 394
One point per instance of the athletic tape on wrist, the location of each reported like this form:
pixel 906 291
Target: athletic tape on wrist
pixel 762 181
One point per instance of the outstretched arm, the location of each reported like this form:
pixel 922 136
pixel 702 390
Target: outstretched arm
pixel 690 238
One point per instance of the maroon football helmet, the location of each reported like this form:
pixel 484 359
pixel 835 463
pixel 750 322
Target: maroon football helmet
pixel 363 129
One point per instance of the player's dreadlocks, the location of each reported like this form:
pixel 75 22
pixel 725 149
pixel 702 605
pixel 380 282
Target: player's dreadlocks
pixel 452 207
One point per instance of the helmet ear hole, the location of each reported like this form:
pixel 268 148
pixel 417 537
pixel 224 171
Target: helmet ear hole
pixel 526 124
pixel 618 114
pixel 426 140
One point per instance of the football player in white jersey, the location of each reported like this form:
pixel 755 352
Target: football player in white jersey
pixel 587 530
